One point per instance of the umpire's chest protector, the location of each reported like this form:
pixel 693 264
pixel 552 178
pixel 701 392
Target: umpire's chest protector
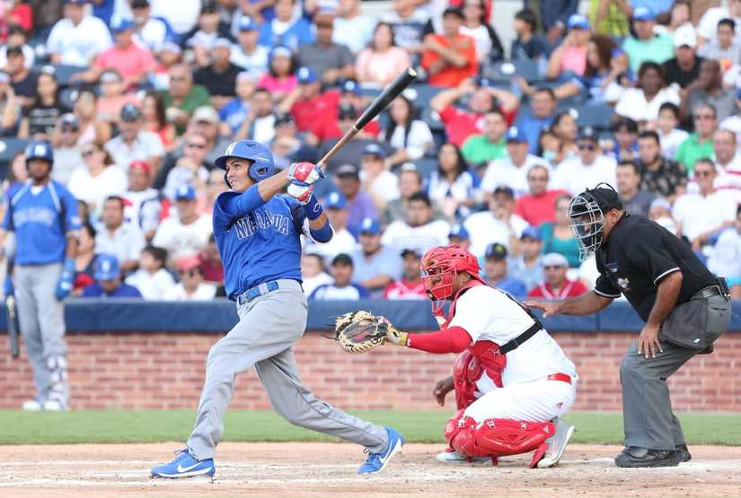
pixel 261 245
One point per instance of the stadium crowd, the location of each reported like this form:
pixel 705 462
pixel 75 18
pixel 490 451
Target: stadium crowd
pixel 138 98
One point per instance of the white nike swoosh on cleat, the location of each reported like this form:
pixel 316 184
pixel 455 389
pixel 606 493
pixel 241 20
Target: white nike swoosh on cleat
pixel 182 469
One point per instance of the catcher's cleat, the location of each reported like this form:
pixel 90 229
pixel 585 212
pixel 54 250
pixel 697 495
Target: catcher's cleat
pixel 185 465
pixel 556 445
pixel 634 457
pixel 452 456
pixel 376 462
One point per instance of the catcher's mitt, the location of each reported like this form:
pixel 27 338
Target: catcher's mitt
pixel 360 331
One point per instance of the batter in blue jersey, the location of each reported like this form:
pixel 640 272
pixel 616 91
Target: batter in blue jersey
pixel 257 231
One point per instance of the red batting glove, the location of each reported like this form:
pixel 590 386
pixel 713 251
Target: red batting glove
pixel 304 173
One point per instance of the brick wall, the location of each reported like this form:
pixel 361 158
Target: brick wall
pixel 162 371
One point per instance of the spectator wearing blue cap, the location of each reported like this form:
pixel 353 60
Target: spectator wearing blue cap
pixel 108 282
pixel 77 39
pixel 511 171
pixel 497 274
pixel 343 286
pixel 571 55
pixel 381 61
pixel 312 110
pixel 151 32
pixel 375 178
pixel 132 61
pixel 118 237
pixel 544 107
pixel 351 27
pixel 376 265
pixel 285 29
pixel 647 45
pixel 247 53
pixel 187 232
pixel 342 242
pixel 220 76
pixel 459 235
pixel 453 186
pixel 526 267
pixel 134 143
pixel 331 61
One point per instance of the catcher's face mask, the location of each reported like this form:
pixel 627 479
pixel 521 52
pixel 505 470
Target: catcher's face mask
pixel 587 223
pixel 438 276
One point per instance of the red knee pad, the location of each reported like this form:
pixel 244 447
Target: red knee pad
pixel 495 437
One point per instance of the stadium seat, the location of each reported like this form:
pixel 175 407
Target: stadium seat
pixel 9 147
pixel 426 165
pixel 62 73
pixel 596 116
pixel 503 71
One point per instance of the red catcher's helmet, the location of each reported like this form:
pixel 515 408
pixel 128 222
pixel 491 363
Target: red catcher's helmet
pixel 440 264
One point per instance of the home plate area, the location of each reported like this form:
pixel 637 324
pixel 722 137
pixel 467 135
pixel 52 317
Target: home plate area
pixel 328 469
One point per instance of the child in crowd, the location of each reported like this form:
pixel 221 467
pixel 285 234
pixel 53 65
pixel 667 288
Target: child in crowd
pixel 667 128
pixel 152 280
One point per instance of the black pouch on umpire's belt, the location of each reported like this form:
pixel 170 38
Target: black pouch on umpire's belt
pixel 686 326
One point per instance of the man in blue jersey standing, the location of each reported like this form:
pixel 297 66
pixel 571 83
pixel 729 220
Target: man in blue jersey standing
pixel 42 214
pixel 257 233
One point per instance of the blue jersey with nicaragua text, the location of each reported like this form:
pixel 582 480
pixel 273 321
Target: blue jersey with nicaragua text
pixel 41 218
pixel 258 241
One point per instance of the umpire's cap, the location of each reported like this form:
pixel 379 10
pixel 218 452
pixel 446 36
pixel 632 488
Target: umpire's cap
pixel 262 166
pixel 605 196
pixel 40 149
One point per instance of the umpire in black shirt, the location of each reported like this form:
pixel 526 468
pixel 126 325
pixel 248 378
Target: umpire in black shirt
pixel 684 306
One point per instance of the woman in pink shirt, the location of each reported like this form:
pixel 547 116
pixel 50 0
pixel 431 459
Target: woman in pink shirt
pixel 281 79
pixel 571 55
pixel 382 61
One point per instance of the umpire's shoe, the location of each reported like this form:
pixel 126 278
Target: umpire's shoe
pixel 376 462
pixel 633 457
pixel 185 465
pixel 684 453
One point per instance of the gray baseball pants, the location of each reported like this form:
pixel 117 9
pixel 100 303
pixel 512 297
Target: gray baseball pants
pixel 41 319
pixel 268 326
pixel 648 419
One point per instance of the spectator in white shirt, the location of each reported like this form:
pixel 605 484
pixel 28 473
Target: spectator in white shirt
pixel 342 287
pixel 727 163
pixel 313 273
pixel 670 135
pixel 152 280
pixel 77 39
pixel 725 260
pixel 67 153
pixel 150 32
pixel 351 28
pixel 187 233
pixel 182 18
pixel 144 202
pixel 453 188
pixel 408 135
pixel 498 224
pixel 134 142
pixel 124 240
pixel 247 54
pixel 642 103
pixel 586 170
pixel 379 182
pixel 707 28
pixel 703 215
pixel 97 179
pixel 512 171
pixel 192 286
pixel 418 231
pixel 342 240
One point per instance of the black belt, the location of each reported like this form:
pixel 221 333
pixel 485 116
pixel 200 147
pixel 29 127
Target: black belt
pixel 718 289
pixel 520 339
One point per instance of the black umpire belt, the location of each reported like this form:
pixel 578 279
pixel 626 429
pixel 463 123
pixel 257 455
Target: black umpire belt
pixel 522 338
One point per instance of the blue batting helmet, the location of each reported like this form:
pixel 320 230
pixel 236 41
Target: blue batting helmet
pixel 262 166
pixel 40 149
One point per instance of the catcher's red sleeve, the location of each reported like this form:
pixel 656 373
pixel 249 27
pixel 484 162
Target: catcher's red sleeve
pixel 450 340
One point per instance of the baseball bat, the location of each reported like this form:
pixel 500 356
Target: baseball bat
pixel 15 349
pixel 374 109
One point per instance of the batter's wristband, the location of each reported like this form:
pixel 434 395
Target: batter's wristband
pixel 324 234
pixel 69 265
pixel 313 209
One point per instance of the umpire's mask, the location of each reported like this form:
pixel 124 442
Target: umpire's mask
pixel 587 212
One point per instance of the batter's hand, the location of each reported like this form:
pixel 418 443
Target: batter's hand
pixel 648 342
pixel 549 308
pixel 304 173
pixel 301 194
pixel 442 388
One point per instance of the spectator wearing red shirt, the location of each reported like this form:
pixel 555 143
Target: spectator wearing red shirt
pixel 132 61
pixel 556 286
pixel 312 110
pixel 539 206
pixel 410 285
pixel 449 58
pixel 462 123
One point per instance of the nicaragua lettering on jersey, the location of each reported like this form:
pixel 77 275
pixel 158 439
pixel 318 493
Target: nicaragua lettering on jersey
pixel 41 218
pixel 259 246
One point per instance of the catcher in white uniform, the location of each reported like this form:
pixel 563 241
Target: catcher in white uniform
pixel 512 380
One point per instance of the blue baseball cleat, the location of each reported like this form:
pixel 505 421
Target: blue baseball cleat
pixel 376 462
pixel 185 465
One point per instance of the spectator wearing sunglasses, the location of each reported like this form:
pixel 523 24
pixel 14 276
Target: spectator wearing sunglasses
pixel 588 168
pixel 191 286
pixel 556 285
pixel 190 168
